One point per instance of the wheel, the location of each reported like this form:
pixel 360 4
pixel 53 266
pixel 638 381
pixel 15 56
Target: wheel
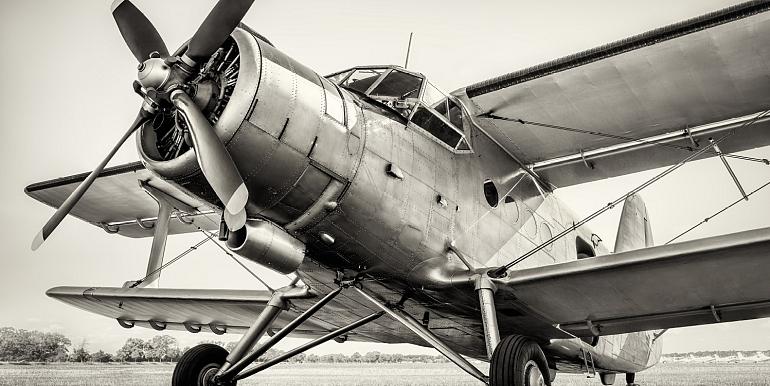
pixel 198 366
pixel 607 378
pixel 518 361
pixel 630 379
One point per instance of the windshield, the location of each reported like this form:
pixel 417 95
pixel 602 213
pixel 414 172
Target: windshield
pixel 399 85
pixel 411 95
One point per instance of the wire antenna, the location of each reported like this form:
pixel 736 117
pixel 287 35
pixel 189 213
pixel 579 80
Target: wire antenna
pixel 408 50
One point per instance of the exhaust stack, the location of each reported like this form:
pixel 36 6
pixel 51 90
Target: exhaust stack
pixel 269 245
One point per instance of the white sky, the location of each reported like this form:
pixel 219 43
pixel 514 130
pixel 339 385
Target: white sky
pixel 65 93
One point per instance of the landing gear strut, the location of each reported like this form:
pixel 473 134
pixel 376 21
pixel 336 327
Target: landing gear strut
pixel 211 365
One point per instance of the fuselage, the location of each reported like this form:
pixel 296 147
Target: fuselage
pixel 373 194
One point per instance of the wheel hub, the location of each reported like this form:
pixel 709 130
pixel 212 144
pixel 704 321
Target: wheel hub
pixel 532 374
pixel 207 375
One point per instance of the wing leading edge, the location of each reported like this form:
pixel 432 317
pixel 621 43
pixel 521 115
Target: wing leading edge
pixel 718 279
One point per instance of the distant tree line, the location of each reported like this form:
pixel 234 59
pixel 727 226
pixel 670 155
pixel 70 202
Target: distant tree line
pixel 721 353
pixel 35 346
pixel 23 345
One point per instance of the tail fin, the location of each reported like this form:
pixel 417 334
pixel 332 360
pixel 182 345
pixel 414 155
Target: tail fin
pixel 634 230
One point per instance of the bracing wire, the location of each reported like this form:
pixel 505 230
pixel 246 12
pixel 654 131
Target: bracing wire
pixel 501 271
pixel 212 237
pixel 709 218
pixel 172 261
pixel 624 138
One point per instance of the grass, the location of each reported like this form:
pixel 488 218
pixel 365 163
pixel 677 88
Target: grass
pixel 668 374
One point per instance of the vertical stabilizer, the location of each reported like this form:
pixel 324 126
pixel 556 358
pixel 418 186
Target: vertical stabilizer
pixel 634 230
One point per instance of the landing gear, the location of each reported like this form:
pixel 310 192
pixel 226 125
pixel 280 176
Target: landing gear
pixel 630 378
pixel 518 361
pixel 199 365
pixel 607 378
pixel 211 365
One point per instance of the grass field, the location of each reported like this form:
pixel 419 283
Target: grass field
pixel 366 374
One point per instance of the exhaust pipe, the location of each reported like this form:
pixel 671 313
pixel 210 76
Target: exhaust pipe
pixel 267 244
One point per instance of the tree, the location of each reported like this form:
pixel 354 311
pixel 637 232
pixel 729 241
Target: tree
pixel 80 354
pixel 133 350
pixel 101 356
pixel 312 358
pixel 216 342
pixel 372 357
pixel 162 348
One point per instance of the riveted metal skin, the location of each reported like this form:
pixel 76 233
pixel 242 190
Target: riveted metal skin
pixel 297 152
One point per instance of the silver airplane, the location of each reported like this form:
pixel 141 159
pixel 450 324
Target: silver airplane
pixel 408 215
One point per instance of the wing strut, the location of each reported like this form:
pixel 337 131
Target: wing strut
pixel 166 206
pixel 502 271
pixel 421 331
pixel 729 169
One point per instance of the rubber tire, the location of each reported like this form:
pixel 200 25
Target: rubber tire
pixel 508 360
pixel 195 361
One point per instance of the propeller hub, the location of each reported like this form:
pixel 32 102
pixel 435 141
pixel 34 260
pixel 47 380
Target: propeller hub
pixel 153 73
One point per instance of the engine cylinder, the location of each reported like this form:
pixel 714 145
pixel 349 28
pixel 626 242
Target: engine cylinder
pixel 269 245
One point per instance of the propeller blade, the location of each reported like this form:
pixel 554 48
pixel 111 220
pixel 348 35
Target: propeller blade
pixel 215 29
pixel 140 35
pixel 73 199
pixel 215 162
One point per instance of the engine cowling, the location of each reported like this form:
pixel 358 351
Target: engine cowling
pixel 277 120
pixel 268 245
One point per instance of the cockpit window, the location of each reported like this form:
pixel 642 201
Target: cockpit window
pixel 399 85
pixel 411 95
pixel 362 79
pixel 337 78
pixel 451 111
pixel 431 122
pixel 432 96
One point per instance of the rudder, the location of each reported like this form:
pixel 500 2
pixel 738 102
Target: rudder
pixel 634 230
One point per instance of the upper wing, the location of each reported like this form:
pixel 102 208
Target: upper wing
pixel 703 281
pixel 707 75
pixel 116 200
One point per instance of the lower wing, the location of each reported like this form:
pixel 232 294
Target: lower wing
pixel 717 279
pixel 178 309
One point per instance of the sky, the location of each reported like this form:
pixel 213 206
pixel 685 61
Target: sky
pixel 66 97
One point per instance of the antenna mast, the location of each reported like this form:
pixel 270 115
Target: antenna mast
pixel 408 49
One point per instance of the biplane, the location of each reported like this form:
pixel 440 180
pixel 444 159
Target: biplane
pixel 405 214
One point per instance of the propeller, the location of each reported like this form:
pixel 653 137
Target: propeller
pixel 75 196
pixel 215 29
pixel 168 78
pixel 140 35
pixel 215 161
